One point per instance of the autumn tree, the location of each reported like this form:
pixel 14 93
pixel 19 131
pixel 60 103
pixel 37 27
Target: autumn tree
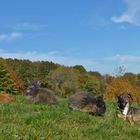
pixel 64 81
pixel 7 84
pixel 121 84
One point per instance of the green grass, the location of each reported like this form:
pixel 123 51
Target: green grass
pixel 26 121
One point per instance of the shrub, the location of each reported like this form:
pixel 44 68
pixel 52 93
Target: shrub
pixel 121 84
pixel 64 81
pixel 90 84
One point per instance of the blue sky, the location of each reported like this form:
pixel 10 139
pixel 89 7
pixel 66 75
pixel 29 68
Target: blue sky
pixel 98 34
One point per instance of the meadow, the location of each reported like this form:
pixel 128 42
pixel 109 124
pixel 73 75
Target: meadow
pixel 26 121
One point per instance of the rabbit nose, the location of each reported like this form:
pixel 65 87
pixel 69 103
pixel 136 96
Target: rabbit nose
pixel 28 91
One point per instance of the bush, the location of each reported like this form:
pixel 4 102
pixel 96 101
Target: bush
pixel 90 84
pixel 121 84
pixel 64 81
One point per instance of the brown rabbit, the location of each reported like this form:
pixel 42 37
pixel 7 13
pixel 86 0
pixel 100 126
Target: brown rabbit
pixel 125 111
pixel 86 102
pixel 36 94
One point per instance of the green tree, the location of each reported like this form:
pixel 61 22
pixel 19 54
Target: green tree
pixel 6 82
pixel 80 68
pixel 90 84
pixel 64 81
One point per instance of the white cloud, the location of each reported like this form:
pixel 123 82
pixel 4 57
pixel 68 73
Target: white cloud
pixel 131 63
pixel 11 36
pixel 33 56
pixel 29 26
pixel 53 56
pixel 125 58
pixel 131 14
pixel 107 65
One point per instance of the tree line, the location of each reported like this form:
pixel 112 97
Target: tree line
pixel 64 81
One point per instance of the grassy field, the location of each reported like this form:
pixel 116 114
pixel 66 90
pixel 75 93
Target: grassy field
pixel 25 121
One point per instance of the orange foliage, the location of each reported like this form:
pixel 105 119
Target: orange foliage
pixel 121 84
pixel 6 98
pixel 18 83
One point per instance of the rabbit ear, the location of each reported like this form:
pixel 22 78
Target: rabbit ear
pixel 130 96
pixel 38 83
pixel 28 81
pixel 100 96
pixel 119 96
